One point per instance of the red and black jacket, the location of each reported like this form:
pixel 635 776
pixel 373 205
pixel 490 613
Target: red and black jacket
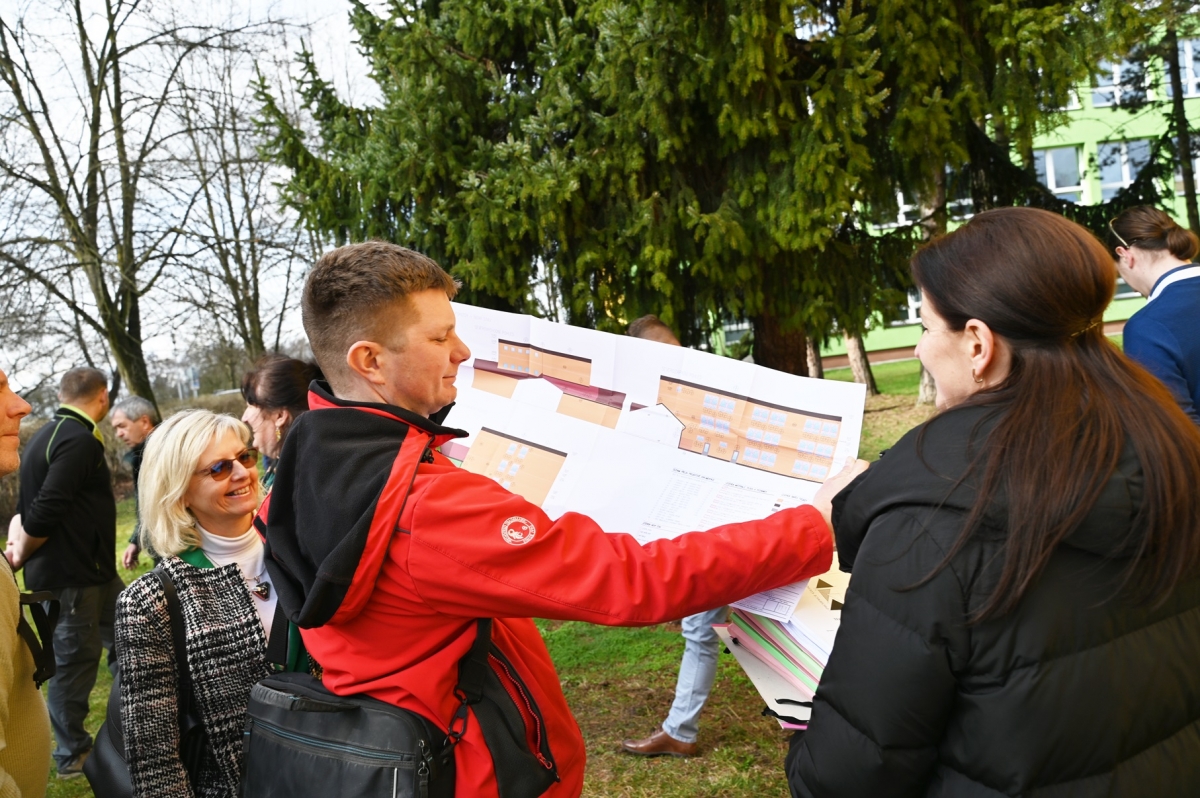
pixel 386 554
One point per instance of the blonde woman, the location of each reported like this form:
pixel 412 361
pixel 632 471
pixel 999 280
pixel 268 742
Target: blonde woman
pixel 198 492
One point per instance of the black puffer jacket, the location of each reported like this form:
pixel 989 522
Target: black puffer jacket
pixel 1074 693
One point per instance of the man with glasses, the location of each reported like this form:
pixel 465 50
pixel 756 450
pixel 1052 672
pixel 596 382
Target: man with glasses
pixel 65 538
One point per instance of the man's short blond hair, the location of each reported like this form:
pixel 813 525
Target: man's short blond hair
pixel 349 289
pixel 172 457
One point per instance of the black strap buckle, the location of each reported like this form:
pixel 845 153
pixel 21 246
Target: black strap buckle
pixel 458 724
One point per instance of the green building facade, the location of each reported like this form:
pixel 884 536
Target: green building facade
pixel 1099 150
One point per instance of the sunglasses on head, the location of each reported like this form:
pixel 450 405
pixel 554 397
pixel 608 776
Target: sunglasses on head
pixel 223 469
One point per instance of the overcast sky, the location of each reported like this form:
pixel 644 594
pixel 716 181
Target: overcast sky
pixel 331 39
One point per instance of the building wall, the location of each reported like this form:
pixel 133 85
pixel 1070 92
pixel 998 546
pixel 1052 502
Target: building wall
pixel 1108 142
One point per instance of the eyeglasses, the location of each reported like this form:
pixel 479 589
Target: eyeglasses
pixel 223 469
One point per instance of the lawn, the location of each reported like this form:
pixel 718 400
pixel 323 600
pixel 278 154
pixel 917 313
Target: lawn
pixel 620 682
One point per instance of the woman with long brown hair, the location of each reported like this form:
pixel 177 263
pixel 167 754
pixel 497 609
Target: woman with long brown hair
pixel 1023 616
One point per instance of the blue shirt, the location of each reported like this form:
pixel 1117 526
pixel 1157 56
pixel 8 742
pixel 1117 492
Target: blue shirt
pixel 1164 336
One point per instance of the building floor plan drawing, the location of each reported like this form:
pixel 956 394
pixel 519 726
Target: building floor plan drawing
pixel 646 439
pixel 521 466
pixel 751 432
pixel 571 374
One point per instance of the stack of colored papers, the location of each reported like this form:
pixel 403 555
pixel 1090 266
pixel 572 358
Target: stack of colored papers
pixel 785 659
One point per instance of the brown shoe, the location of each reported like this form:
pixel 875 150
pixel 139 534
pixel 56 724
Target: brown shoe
pixel 658 744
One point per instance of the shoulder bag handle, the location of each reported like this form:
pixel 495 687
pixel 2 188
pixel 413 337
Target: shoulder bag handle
pixel 179 639
pixel 193 740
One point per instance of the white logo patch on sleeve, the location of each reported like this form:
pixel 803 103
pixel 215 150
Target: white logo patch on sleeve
pixel 517 531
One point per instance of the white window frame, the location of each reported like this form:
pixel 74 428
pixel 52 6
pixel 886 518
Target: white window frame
pixel 1046 153
pixel 1178 176
pixel 1188 75
pixel 903 209
pixel 1124 291
pixel 913 310
pixel 1114 69
pixel 1127 175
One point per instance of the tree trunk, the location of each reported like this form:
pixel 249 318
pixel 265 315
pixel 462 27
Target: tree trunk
pixel 815 367
pixel 779 349
pixel 1182 129
pixel 131 364
pixel 934 225
pixel 927 391
pixel 860 366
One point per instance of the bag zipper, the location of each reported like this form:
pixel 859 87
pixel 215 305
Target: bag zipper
pixel 527 702
pixel 308 742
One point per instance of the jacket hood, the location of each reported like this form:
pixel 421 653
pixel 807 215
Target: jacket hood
pixel 341 481
pixel 926 468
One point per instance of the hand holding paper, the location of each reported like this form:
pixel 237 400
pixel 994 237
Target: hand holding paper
pixel 823 501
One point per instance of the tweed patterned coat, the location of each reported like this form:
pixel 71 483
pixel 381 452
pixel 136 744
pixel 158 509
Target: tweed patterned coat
pixel 226 650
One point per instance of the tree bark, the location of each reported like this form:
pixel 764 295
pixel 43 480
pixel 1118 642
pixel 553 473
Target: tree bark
pixel 780 349
pixel 815 367
pixel 860 366
pixel 927 390
pixel 1183 131
pixel 934 225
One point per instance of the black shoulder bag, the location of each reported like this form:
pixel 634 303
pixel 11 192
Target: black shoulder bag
pixel 302 741
pixel 106 768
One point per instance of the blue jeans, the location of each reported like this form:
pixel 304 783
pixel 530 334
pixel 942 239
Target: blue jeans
pixel 696 674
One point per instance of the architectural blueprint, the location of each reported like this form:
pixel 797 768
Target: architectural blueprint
pixel 647 439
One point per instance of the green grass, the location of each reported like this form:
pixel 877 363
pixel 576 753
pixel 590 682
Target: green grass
pixel 899 378
pixel 98 701
pixel 620 682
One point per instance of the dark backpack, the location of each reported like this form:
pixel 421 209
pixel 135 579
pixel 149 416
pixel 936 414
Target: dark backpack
pixel 302 740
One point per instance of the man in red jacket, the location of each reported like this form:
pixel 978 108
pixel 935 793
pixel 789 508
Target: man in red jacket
pixel 386 554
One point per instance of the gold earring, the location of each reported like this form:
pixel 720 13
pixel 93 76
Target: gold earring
pixel 978 380
pixel 278 434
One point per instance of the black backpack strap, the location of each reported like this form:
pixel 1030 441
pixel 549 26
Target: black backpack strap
pixel 179 638
pixel 193 739
pixel 472 675
pixel 277 645
pixel 41 644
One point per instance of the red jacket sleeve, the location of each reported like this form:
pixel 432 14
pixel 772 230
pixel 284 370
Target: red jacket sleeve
pixel 478 550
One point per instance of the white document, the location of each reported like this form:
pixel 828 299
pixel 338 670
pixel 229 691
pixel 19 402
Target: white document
pixel 646 438
pixel 778 604
pixel 818 614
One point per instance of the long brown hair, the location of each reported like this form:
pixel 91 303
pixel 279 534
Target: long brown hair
pixel 1069 405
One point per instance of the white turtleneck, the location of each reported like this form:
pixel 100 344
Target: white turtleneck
pixel 245 551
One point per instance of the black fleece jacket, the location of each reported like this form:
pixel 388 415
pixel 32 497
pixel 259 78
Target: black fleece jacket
pixel 67 498
pixel 1075 693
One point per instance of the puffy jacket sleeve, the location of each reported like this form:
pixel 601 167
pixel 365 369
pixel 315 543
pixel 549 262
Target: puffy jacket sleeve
pixel 463 562
pixel 887 692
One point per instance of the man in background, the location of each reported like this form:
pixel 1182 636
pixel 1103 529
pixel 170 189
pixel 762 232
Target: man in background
pixel 133 419
pixel 66 540
pixel 24 726
pixel 698 670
